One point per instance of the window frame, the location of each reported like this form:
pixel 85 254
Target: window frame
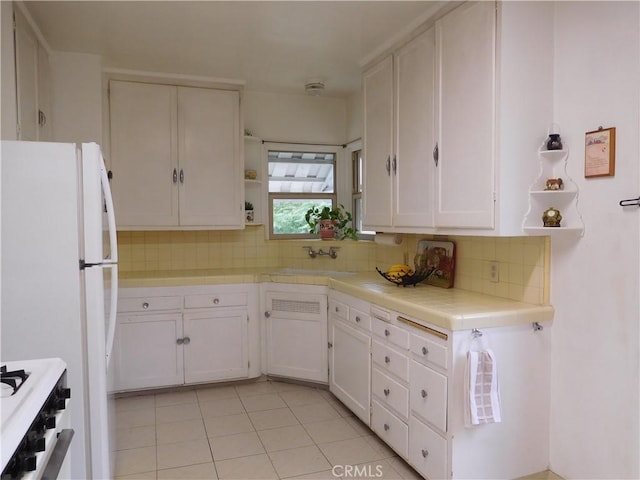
pixel 336 150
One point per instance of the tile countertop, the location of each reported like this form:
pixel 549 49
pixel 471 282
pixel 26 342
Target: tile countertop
pixel 452 309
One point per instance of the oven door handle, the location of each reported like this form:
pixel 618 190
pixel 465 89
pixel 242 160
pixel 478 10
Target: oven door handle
pixel 58 455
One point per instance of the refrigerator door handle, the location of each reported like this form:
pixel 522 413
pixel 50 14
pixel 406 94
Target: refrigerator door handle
pixel 111 218
pixel 111 324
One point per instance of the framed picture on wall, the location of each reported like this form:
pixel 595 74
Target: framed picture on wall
pixel 600 153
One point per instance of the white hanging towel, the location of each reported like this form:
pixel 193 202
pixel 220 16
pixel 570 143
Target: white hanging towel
pixel 482 397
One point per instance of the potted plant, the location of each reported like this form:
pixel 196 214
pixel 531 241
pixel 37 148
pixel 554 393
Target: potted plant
pixel 248 212
pixel 330 222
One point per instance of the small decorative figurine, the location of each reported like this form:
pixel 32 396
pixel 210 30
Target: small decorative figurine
pixel 551 217
pixel 554 142
pixel 554 184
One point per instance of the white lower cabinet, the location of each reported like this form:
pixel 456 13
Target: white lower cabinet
pixel 350 353
pixel 145 351
pixel 218 344
pixel 427 450
pixel 169 336
pixel 296 331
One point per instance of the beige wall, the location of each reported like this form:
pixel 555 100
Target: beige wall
pixel 524 261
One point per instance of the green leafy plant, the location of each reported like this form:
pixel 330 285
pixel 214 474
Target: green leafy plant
pixel 342 220
pixel 248 205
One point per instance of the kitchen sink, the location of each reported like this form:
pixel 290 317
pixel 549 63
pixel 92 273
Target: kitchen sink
pixel 302 271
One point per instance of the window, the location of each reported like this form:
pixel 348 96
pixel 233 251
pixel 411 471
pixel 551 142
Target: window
pixel 356 195
pixel 297 182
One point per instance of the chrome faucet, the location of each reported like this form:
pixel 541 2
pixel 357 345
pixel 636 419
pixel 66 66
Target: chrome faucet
pixel 333 252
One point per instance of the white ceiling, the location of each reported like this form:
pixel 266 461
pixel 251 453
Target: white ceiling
pixel 273 46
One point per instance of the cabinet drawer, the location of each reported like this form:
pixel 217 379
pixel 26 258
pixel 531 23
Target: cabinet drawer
pixel 427 350
pixel 427 450
pixel 428 395
pixel 149 304
pixel 391 333
pixel 339 309
pixel 390 429
pixel 360 318
pixel 390 393
pixel 216 300
pixel 390 361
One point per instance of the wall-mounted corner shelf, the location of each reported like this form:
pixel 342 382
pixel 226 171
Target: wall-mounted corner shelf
pixel 553 165
pixel 254 188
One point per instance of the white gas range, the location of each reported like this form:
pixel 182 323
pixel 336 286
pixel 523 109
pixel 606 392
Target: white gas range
pixel 35 433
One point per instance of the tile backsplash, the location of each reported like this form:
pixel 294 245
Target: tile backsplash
pixel 523 261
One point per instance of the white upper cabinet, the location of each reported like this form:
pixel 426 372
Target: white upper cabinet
pixel 144 157
pixel 473 100
pixel 209 157
pixel 33 83
pixel 175 156
pixel 399 135
pixel 377 92
pixel 466 117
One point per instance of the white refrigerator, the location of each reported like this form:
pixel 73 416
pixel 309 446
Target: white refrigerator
pixel 59 280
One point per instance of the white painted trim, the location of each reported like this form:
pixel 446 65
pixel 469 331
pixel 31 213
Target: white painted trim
pixel 173 78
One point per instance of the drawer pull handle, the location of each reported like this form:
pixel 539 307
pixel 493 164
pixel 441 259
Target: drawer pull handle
pixel 387 359
pixel 425 350
pixel 216 301
pixel 386 332
pixel 424 393
pixel 145 305
pixel 386 427
pixel 386 392
pixel 425 453
pixel 357 319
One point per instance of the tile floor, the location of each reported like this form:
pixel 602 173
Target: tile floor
pixel 260 430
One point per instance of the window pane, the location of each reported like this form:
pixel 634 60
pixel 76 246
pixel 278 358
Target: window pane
pixel 301 172
pixel 288 214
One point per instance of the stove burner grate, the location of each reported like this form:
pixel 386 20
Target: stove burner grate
pixel 13 379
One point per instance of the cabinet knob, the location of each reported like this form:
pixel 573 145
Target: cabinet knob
pixel 386 427
pixel 180 341
pixel 436 154
pixel 186 340
pixel 181 176
pixel 337 309
pixel 386 392
pixel 145 305
pixel 425 453
pixel 388 165
pixel 425 350
pixel 216 301
pixel 423 392
pixel 387 359
pixel 386 332
pixel 267 314
pixel 175 175
pixel 357 318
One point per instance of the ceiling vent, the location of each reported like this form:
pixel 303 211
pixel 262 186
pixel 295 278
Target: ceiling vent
pixel 314 89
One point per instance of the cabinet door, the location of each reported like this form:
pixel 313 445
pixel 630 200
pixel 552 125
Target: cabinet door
pixel 26 51
pixel 466 121
pixel 211 184
pixel 415 135
pixel 143 154
pixel 297 335
pixel 377 93
pixel 146 352
pixel 350 368
pixel 216 345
